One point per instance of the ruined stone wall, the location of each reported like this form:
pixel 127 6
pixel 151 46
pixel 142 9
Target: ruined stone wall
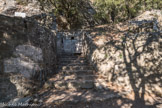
pixel 69 42
pixel 27 55
pixel 130 58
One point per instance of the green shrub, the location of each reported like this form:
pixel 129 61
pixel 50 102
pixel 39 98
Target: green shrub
pixel 22 2
pixel 121 10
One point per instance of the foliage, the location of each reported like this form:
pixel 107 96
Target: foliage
pixel 69 9
pixel 121 10
pixel 107 11
pixel 22 2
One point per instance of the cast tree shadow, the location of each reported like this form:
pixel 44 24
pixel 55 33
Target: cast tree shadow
pixel 141 55
pixel 140 50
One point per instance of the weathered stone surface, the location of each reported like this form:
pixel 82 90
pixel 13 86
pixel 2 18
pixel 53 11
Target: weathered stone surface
pixel 87 85
pixel 149 15
pixel 27 55
pixel 48 85
pixel 7 89
pixel 30 7
pixel 157 90
pixel 26 61
pixel 129 59
pixel 6 5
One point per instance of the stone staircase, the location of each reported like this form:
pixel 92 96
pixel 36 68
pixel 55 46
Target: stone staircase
pixel 76 81
pixel 74 72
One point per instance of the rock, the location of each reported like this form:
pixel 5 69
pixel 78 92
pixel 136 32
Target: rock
pixel 60 85
pixel 120 79
pixel 36 95
pixel 98 86
pixel 40 101
pixel 7 5
pixel 48 85
pixel 73 85
pixel 35 100
pixel 157 90
pixel 87 85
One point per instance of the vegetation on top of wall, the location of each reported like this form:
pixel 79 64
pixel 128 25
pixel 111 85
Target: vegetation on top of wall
pixel 66 11
pixel 73 12
pixel 22 2
pixel 121 10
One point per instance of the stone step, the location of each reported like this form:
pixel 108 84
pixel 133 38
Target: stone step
pixel 73 64
pixel 71 58
pixel 72 61
pixel 74 84
pixel 77 77
pixel 74 67
pixel 79 84
pixel 74 72
pixel 77 72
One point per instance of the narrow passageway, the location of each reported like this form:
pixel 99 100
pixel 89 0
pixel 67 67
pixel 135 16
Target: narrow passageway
pixel 75 72
pixel 76 81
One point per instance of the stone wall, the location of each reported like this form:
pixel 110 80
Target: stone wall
pixel 69 42
pixel 30 7
pixel 130 58
pixel 27 55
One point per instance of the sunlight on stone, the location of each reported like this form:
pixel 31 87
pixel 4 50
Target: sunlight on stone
pixel 26 62
pixel 5 35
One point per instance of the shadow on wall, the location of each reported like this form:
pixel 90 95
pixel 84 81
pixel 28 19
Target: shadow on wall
pixel 27 49
pixel 132 61
pixel 142 65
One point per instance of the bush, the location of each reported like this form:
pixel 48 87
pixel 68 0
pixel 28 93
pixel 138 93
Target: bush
pixel 121 10
pixel 22 2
